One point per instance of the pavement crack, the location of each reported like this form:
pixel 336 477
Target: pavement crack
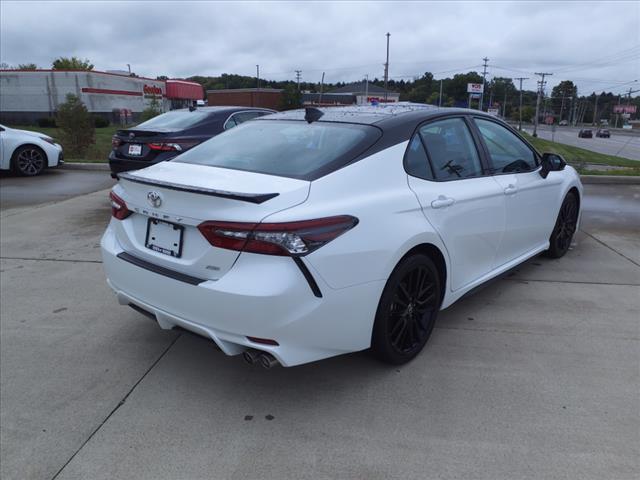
pixel 68 260
pixel 610 248
pixel 115 409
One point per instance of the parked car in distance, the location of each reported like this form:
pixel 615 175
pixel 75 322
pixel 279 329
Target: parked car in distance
pixel 28 153
pixel 563 123
pixel 603 133
pixel 585 133
pixel 170 134
pixel 311 233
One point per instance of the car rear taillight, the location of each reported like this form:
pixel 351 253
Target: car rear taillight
pixel 171 146
pixel 119 208
pixel 291 238
pixel 115 142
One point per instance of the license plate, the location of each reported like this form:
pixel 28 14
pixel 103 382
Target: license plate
pixel 164 237
pixel 135 149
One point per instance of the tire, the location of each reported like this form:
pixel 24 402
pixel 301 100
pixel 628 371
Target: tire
pixel 407 310
pixel 28 161
pixel 565 227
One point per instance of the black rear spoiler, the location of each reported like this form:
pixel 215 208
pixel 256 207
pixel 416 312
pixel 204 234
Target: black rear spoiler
pixel 243 197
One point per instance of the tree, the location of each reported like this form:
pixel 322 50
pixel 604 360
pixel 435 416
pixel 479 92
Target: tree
pixel 27 66
pixel 153 110
pixel 73 63
pixel 77 130
pixel 291 97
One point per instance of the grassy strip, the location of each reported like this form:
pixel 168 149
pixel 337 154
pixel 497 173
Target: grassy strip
pixel 98 152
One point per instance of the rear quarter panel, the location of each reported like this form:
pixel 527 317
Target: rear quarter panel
pixel 391 222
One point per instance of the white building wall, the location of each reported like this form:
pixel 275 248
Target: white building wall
pixel 42 91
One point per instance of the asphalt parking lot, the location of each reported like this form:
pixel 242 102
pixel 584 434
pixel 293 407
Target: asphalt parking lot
pixel 536 376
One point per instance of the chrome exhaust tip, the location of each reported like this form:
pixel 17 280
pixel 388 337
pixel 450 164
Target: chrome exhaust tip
pixel 251 356
pixel 267 360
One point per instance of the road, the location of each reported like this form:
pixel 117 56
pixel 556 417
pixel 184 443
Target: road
pixel 622 145
pixel 535 376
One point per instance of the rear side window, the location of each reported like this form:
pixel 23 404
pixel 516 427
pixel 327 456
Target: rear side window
pixel 451 149
pixel 293 149
pixel 176 120
pixel 416 161
pixel 508 153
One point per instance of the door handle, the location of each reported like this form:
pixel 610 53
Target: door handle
pixel 511 189
pixel 442 202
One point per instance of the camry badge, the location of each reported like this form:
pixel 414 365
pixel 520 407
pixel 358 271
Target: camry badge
pixel 154 199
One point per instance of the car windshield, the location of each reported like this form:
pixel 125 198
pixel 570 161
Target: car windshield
pixel 293 149
pixel 176 120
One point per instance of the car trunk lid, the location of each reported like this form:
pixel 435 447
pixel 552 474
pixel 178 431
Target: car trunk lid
pixel 169 201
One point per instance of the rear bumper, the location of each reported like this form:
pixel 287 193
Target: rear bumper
pixel 261 296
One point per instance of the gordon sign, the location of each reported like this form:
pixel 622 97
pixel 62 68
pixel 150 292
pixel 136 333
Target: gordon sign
pixel 474 88
pixel 152 91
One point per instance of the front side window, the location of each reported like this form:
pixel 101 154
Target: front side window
pixel 508 153
pixel 451 149
pixel 292 149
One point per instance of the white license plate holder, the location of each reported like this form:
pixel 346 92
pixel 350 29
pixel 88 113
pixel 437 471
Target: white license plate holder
pixel 164 237
pixel 135 149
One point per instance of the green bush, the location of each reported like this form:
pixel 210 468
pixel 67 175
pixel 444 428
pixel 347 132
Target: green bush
pixel 77 130
pixel 47 122
pixel 100 122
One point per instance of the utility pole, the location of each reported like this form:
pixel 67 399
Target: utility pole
pixel 440 97
pixel 504 103
pixel 595 111
pixel 540 90
pixel 258 76
pixel 484 75
pixel 561 107
pixel 366 89
pixel 386 70
pixel 321 87
pixel 298 75
pixel 520 108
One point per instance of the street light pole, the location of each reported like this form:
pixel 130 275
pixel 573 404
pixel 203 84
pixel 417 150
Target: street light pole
pixel 440 97
pixel 386 71
pixel 535 123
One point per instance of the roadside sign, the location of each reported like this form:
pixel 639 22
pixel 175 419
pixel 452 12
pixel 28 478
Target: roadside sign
pixel 624 109
pixel 474 88
pixel 475 95
pixel 548 120
pixel 493 111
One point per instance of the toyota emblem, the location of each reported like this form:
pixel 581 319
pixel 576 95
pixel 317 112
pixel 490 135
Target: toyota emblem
pixel 154 198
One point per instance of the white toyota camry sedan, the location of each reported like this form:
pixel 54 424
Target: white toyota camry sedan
pixel 316 232
pixel 28 153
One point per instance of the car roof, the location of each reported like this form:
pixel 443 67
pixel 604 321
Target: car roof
pixel 384 116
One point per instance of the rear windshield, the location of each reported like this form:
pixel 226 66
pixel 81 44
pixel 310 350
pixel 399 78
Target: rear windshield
pixel 293 149
pixel 176 120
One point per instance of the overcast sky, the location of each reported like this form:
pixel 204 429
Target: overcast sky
pixel 596 44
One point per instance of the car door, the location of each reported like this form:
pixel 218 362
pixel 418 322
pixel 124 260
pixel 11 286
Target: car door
pixel 530 200
pixel 458 198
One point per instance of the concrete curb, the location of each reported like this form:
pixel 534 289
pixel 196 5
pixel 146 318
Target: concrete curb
pixel 610 179
pixel 86 166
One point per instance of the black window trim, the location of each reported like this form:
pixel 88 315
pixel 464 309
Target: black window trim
pixel 257 110
pixel 487 154
pixel 466 118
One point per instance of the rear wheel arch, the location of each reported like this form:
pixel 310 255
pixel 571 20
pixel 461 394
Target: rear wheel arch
pixel 436 255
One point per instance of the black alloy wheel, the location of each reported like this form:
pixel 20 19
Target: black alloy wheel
pixel 29 161
pixel 565 227
pixel 407 310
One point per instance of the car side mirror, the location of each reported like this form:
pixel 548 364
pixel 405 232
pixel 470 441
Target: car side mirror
pixel 551 162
